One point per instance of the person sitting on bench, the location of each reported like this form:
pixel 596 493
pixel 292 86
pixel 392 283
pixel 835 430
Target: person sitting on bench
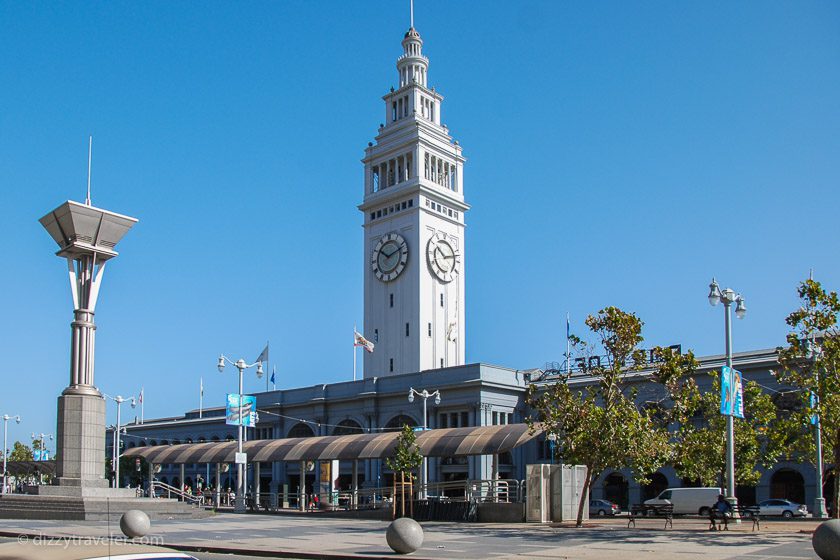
pixel 720 511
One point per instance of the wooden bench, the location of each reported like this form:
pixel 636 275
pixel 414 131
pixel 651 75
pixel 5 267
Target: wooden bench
pixel 661 511
pixel 721 522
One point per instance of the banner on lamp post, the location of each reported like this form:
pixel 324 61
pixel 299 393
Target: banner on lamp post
pixel 731 392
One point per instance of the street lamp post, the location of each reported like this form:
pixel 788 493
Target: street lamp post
pixel 820 510
pixel 552 441
pixel 424 394
pixel 241 460
pixel 728 297
pixel 6 419
pixel 42 437
pixel 116 439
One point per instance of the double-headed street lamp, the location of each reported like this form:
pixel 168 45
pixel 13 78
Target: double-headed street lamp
pixel 728 297
pixel 115 461
pixel 42 438
pixel 424 394
pixel 6 419
pixel 241 459
pixel 820 511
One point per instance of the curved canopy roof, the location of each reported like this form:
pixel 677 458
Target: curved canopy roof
pixel 451 442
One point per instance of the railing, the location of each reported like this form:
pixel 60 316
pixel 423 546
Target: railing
pixel 157 489
pixel 484 491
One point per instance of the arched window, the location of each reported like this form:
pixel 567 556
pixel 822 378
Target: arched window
pixel 788 484
pixel 616 489
pixel 301 429
pixel 397 422
pixel 347 427
pixel 215 438
pixel 658 483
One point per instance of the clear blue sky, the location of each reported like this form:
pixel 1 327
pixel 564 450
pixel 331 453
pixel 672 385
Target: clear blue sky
pixel 619 153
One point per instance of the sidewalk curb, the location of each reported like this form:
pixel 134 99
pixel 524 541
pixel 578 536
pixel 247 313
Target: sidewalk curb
pixel 261 553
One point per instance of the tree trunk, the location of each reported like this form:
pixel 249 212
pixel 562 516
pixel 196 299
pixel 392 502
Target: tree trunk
pixel 836 490
pixel 584 501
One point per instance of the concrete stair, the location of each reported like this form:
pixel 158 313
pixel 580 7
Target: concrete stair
pixel 22 506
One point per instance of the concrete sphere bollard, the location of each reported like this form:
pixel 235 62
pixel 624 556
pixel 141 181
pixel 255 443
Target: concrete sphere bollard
pixel 135 524
pixel 826 540
pixel 404 535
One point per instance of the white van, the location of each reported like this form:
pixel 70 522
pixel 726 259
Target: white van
pixel 687 500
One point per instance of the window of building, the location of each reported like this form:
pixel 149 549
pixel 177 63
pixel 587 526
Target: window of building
pixel 410 203
pixel 373 215
pixel 441 362
pixel 394 111
pixel 406 329
pixel 443 423
pixel 430 329
pixel 391 298
pixel 465 419
pixel 391 364
pixel 441 300
pixel 376 335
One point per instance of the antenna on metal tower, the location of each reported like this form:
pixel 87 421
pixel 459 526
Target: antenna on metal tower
pixel 90 151
pixel 411 2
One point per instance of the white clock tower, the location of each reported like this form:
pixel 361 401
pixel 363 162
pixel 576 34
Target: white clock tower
pixel 414 229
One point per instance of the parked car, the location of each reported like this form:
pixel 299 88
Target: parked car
pixel 603 507
pixel 785 508
pixel 687 500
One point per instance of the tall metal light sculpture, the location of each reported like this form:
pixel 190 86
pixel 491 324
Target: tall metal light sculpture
pixel 86 237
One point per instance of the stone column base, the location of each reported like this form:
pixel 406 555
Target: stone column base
pixel 80 446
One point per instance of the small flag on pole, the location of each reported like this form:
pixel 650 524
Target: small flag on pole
pixel 359 340
pixel 263 357
pixel 201 386
pixel 273 371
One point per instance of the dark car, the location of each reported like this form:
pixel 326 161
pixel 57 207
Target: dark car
pixel 603 507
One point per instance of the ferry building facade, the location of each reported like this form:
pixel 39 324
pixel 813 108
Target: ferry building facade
pixel 414 213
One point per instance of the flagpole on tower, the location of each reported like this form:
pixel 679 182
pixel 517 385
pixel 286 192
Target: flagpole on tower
pixel 200 397
pixel 142 403
pixel 568 349
pixel 354 352
pixel 411 2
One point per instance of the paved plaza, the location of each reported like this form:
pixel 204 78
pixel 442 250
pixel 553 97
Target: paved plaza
pixel 294 536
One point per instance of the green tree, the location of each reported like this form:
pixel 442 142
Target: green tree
pixel 811 362
pixel 406 458
pixel 21 452
pixel 599 424
pixel 698 430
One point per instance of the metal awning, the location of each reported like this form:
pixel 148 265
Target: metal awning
pixel 23 468
pixel 451 442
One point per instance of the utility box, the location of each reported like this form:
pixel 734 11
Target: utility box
pixel 554 492
pixel 567 482
pixel 538 496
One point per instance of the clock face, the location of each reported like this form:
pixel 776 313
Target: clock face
pixel 442 256
pixel 389 256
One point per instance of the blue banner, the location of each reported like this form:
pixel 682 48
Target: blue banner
pixel 249 410
pixel 731 392
pixel 814 417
